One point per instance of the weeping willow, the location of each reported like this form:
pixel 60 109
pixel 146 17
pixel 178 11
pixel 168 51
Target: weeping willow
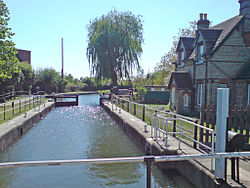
pixel 114 45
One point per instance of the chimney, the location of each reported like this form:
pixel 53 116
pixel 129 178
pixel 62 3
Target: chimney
pixel 245 8
pixel 203 22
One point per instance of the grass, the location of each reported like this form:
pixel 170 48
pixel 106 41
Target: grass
pixel 12 113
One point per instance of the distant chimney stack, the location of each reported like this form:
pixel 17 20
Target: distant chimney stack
pixel 245 8
pixel 205 16
pixel 201 16
pixel 203 22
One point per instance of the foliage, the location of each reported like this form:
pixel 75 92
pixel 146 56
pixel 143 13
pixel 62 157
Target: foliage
pixel 49 80
pixel 141 92
pixel 164 68
pixel 114 45
pixel 25 77
pixel 8 59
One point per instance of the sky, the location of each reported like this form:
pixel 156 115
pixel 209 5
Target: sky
pixel 40 24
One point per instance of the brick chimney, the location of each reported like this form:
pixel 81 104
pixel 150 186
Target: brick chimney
pixel 245 8
pixel 203 22
pixel 245 11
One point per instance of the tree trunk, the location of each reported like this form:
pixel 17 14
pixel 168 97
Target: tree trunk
pixel 114 78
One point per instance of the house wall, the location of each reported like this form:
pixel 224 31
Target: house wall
pixel 224 65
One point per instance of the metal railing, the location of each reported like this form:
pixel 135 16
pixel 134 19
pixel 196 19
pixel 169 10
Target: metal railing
pixel 160 130
pixel 162 120
pixel 18 106
pixel 147 159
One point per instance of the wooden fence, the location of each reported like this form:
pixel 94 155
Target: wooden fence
pixel 238 121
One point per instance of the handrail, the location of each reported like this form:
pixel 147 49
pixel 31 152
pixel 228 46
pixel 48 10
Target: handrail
pixel 139 159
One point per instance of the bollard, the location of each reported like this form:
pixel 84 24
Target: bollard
pixel 174 127
pixel 128 106
pixel 134 109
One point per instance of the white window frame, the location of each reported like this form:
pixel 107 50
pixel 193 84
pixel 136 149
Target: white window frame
pixel 248 94
pixel 152 89
pixel 200 52
pixel 182 55
pixel 173 95
pixel 199 94
pixel 185 100
pixel 162 89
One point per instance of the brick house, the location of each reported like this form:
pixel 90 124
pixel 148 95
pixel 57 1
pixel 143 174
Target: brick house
pixel 216 57
pixel 24 55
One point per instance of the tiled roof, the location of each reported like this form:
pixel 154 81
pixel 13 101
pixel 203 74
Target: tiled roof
pixel 226 27
pixel 181 79
pixel 217 34
pixel 210 35
pixel 188 42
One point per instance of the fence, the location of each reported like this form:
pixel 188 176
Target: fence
pixel 10 109
pixel 148 160
pixel 175 124
pixel 12 95
pixel 238 121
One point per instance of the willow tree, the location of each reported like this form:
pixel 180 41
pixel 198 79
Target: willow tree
pixel 114 45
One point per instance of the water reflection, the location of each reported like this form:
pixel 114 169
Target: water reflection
pixel 86 131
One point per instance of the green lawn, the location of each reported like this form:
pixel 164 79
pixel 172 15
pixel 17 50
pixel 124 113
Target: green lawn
pixel 19 108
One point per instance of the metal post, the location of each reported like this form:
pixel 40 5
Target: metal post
pixel 156 122
pixel 40 102
pixel 24 105
pixel 4 112
pixel 212 151
pixel 148 161
pixel 152 122
pixel 179 145
pixel 128 106
pixel 143 112
pixel 13 110
pixel 29 103
pixel 195 134
pixel 116 104
pixel 19 105
pixel 174 127
pixel 134 109
pixel 221 124
pixel 166 140
pixel 33 101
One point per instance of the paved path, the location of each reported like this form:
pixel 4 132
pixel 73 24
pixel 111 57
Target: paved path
pixel 186 149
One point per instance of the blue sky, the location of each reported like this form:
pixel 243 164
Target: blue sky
pixel 40 24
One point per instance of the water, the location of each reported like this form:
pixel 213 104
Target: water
pixel 86 131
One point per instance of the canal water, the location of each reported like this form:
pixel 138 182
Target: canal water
pixel 85 131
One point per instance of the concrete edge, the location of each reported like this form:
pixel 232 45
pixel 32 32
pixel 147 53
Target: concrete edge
pixel 12 130
pixel 193 172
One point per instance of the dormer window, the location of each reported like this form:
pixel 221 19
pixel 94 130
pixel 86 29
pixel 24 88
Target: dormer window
pixel 200 53
pixel 181 58
pixel 182 55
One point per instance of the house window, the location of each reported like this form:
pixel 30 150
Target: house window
pixel 248 94
pixel 200 53
pixel 182 55
pixel 162 89
pixel 186 100
pixel 152 89
pixel 173 95
pixel 199 94
pixel 181 63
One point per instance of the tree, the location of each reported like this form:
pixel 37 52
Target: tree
pixel 114 45
pixel 8 59
pixel 49 80
pixel 164 67
pixel 25 78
